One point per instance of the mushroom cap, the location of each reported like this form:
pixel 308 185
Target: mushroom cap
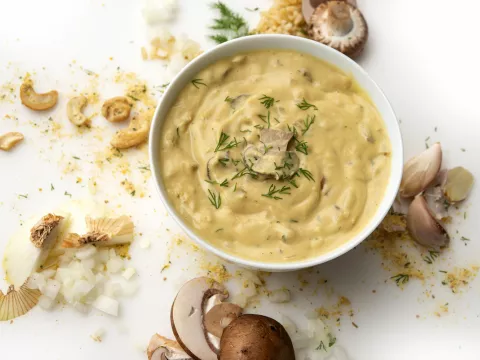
pixel 255 337
pixel 339 25
pixel 309 6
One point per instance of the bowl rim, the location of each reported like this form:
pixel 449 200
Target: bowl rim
pixel 388 198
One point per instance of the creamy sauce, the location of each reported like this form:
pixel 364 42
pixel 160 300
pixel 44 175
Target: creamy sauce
pixel 342 160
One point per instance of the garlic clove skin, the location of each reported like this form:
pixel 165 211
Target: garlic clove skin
pixel 457 185
pixel 421 171
pixel 423 227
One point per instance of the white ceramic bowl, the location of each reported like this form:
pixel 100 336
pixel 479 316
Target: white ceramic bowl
pixel 263 42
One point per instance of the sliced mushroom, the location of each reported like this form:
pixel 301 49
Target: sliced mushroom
pixel 420 171
pixel 161 348
pixel 116 109
pixel 278 164
pixel 423 226
pixel 255 337
pixel 35 101
pixel 220 316
pixel 187 317
pixel 9 140
pixel 276 139
pixel 339 25
pixel 74 110
pixel 458 183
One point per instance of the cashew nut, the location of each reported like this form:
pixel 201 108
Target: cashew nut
pixel 74 110
pixel 135 134
pixel 9 140
pixel 36 101
pixel 116 109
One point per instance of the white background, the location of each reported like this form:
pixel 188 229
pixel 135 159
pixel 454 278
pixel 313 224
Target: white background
pixel 424 54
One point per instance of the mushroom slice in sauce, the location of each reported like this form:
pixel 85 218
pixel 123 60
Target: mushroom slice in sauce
pixel 277 164
pixel 276 139
pixel 339 25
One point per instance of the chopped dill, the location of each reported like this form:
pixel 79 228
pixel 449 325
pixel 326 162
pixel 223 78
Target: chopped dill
pixel 321 346
pixel 293 182
pixel 266 118
pixel 25 196
pixel 246 131
pixel 401 279
pixel 307 123
pixel 252 10
pixel 52 187
pixel 293 221
pixel 197 82
pixel 223 161
pixel 76 157
pixel 463 238
pixel 267 101
pixel 146 168
pixel 305 105
pixel 132 193
pixel 215 199
pixel 230 25
pixel 67 194
pixel 224 183
pixel 430 258
pixel 302 147
pixel 235 187
pixel 259 127
pixel 305 173
pixel 272 191
pixel 221 145
pixel 332 339
pixel 219 230
pixel 245 171
pixel 293 129
pixel 228 99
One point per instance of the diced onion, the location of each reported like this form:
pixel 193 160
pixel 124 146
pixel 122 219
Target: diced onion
pixel 128 273
pixel 45 302
pixel 159 11
pixel 106 305
pixel 51 288
pixel 280 296
pixel 144 244
pixel 114 265
pixel 86 252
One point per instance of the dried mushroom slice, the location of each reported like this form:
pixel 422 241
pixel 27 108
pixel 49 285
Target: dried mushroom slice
pixel 276 139
pixel 42 229
pixel 36 101
pixel 16 303
pixel 9 140
pixel 339 25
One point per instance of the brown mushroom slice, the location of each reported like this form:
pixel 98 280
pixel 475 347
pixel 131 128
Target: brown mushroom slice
pixel 309 6
pixel 420 171
pixel 278 164
pixel 458 183
pixel 255 337
pixel 339 25
pixel 161 348
pixel 220 316
pixel 276 139
pixel 423 226
pixel 187 315
pixel 42 229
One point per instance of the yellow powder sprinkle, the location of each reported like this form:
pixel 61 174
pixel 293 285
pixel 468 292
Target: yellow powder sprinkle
pixel 284 17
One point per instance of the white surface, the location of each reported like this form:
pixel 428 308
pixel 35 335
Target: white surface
pixel 261 42
pixel 422 53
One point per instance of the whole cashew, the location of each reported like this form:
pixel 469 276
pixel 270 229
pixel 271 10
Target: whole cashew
pixel 9 140
pixel 36 101
pixel 135 134
pixel 116 109
pixel 74 110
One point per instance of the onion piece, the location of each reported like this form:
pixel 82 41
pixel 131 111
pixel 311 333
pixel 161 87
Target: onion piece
pixel 106 305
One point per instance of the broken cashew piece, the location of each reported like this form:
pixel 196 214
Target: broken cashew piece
pixel 135 134
pixel 74 110
pixel 9 140
pixel 36 101
pixel 116 109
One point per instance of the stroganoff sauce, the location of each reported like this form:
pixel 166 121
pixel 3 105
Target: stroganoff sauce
pixel 274 156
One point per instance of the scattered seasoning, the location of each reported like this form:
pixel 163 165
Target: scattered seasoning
pixel 355 325
pixel 293 182
pixel 67 194
pixel 252 10
pixel 146 168
pixel 435 129
pixel 305 173
pixel 76 158
pixel 132 193
pixel 307 123
pixel 215 199
pixel 230 24
pixel 429 259
pixel 463 149
pixel 305 105
pixel 463 238
pixel 224 183
pixel 235 187
pixel 245 171
pixel 321 346
pixel 272 190
pixel 331 339
pixel 267 101
pixel 221 146
pixel 52 187
pixel 25 196
pixel 401 279
pixel 197 82
pixel 178 132
pixel 219 230
pixel 293 221
pixel 223 161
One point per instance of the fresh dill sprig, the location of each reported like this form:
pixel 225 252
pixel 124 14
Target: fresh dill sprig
pixel 221 145
pixel 196 82
pixel 401 279
pixel 305 173
pixel 224 183
pixel 293 130
pixel 305 105
pixel 230 24
pixel 302 146
pixel 228 99
pixel 307 123
pixel 272 190
pixel 321 346
pixel 215 199
pixel 245 171
pixel 293 182
pixel 430 258
pixel 223 161
pixel 266 118
pixel 267 101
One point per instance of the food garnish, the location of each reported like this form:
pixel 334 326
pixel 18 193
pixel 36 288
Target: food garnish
pixel 9 140
pixel 116 109
pixel 230 24
pixel 74 110
pixel 36 101
pixel 272 191
pixel 222 145
pixel 197 82
pixel 305 105
pixel 267 101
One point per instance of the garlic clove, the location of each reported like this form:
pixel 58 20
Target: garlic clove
pixel 420 171
pixel 423 226
pixel 458 183
pixel 437 202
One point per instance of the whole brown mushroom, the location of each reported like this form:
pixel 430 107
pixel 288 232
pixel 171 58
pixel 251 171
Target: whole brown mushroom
pixel 255 337
pixel 339 25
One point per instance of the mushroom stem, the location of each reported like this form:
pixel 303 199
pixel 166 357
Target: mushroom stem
pixel 340 22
